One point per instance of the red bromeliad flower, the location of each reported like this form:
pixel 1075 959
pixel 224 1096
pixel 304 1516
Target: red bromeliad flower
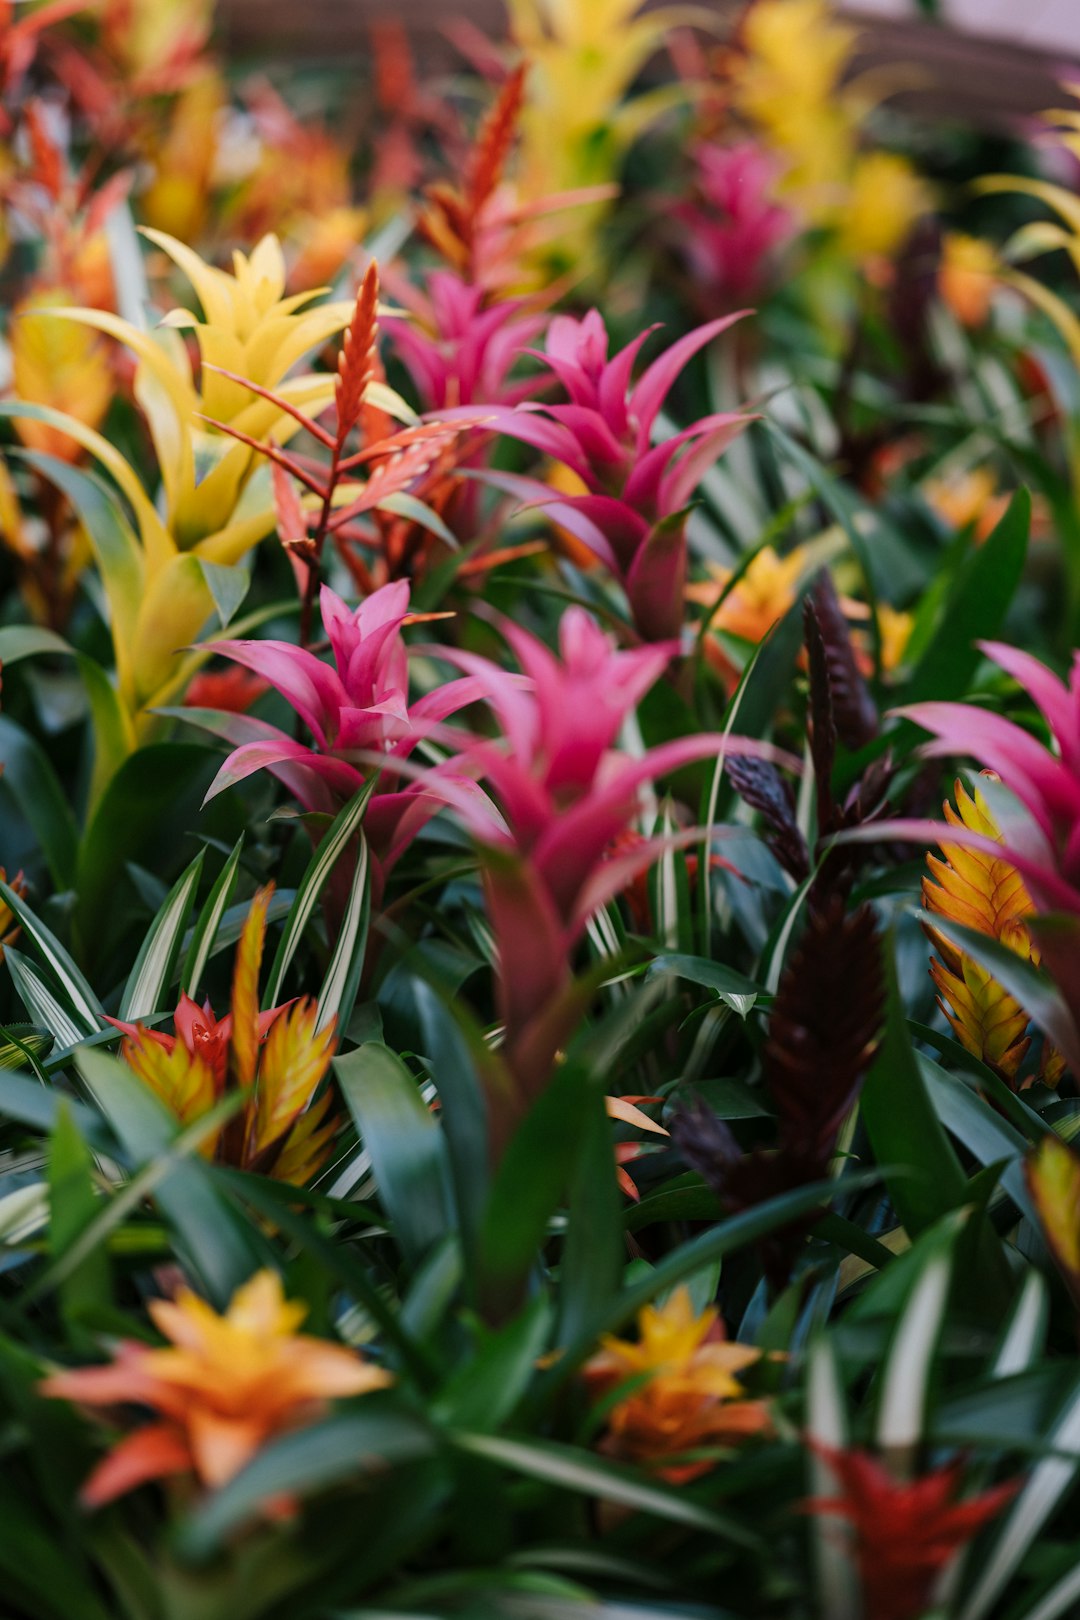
pixel 234 691
pixel 733 225
pixel 565 793
pixel 632 514
pixel 356 709
pixel 904 1535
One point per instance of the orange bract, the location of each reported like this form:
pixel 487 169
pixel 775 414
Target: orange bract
pixel 227 1385
pixel 279 1057
pixel 691 1396
pixel 985 893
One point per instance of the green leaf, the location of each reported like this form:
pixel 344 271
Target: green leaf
pixel 221 1251
pixel 146 813
pixel 484 1393
pixel 156 962
pixel 1017 1534
pixel 592 1257
pixel 405 1143
pixel 77 992
pixel 464 1111
pixel 209 921
pixel 350 1445
pixel 734 989
pixel 337 997
pixel 532 1177
pixel 73 1204
pixel 343 829
pixel 30 779
pixel 975 609
pixel 904 1128
pixel 905 1379
pixel 40 1002
pixel 579 1471
pixel 227 586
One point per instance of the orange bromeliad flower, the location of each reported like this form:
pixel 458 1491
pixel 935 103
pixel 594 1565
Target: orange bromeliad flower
pixel 987 894
pixel 226 1386
pixel 692 1396
pixel 279 1058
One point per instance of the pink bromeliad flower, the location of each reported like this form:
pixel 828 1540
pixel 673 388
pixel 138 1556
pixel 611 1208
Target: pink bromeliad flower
pixel 632 515
pixel 459 348
pixel 733 225
pixel 565 792
pixel 358 712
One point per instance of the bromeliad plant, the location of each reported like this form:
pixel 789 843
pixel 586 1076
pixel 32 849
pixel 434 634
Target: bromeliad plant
pixel 659 1124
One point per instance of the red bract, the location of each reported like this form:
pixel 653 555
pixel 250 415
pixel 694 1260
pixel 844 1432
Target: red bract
pixel 356 709
pixel 733 225
pixel 633 514
pixel 905 1534
pixel 566 793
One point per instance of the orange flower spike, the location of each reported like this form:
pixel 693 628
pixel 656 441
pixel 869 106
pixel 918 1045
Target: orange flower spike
pixel 183 1080
pixel 691 1395
pixel 294 1060
pixel 227 1384
pixel 985 893
pixel 246 1034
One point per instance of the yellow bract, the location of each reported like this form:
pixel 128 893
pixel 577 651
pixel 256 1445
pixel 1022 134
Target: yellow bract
pixel 576 124
pixel 981 892
pixel 788 84
pixel 1053 1172
pixel 59 366
pixel 216 499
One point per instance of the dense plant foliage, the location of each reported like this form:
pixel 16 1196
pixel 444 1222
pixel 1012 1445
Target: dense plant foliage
pixel 540 821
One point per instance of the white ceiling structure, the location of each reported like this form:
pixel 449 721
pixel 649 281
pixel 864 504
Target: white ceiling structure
pixel 1046 25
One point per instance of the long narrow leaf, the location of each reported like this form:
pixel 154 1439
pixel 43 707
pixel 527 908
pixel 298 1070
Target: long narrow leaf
pixel 156 961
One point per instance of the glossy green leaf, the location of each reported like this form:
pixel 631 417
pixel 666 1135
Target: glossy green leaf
pixel 156 962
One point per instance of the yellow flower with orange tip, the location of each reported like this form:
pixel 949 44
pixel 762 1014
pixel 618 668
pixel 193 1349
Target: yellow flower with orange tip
pixel 967 276
pixel 226 1385
pixel 968 500
pixel 981 892
pixel 691 1395
pixel 278 1059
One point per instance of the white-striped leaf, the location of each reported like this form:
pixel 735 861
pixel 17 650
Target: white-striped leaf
pixel 83 1002
pixel 40 1003
pixel 338 994
pixel 910 1359
pixel 209 921
pixel 1046 1485
pixel 156 962
pixel 838 1592
pixel 345 825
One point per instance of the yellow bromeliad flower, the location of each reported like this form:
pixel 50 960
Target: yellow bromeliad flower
pixel 225 1385
pixel 278 1058
pixel 577 124
pixel 984 893
pixel 216 498
pixel 691 1395
pixel 788 84
pixel 758 600
pixel 969 499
